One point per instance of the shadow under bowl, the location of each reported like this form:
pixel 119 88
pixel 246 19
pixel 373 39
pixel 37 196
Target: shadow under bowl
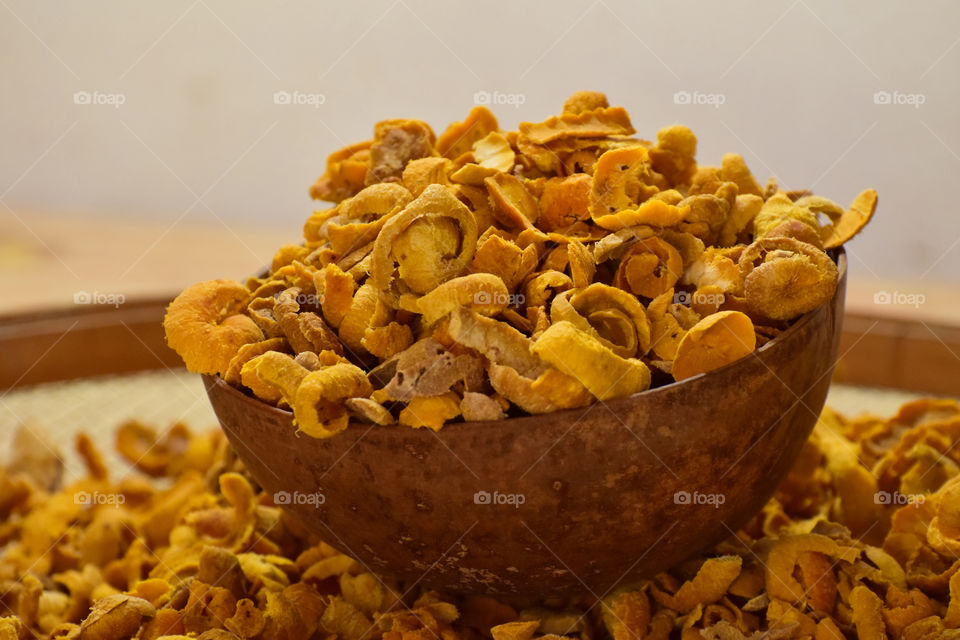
pixel 564 503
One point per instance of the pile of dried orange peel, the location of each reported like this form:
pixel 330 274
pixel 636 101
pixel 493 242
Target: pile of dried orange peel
pixel 862 540
pixel 487 273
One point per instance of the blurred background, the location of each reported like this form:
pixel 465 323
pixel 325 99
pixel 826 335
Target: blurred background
pixel 147 146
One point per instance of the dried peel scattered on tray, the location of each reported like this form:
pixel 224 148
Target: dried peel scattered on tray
pixel 861 540
pixel 483 273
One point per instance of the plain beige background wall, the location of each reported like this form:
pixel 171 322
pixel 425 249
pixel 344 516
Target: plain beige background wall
pixel 182 124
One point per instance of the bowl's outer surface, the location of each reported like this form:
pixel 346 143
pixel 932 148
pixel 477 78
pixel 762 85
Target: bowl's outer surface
pixel 602 488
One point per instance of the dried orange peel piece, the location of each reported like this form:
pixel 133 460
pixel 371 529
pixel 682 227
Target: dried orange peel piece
pixel 792 278
pixel 431 411
pixel 715 341
pixel 206 325
pixel 778 209
pixel 395 143
pixel 318 409
pixel 852 221
pixel 620 182
pixel 273 376
pixel 493 151
pixel 484 293
pixel 674 156
pixel 497 341
pixel 565 201
pixel 584 358
pixel 611 315
pixel 650 267
pixel 608 121
pixel 345 173
pixel 548 392
pixel 460 137
pixel 431 241
pixel 514 206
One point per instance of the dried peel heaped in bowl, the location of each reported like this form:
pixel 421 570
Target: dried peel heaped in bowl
pixel 483 273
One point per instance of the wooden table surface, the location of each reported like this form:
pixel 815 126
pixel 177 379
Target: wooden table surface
pixel 47 261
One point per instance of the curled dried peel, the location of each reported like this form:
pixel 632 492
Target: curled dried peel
pixel 249 351
pixel 493 151
pixel 734 169
pixel 792 278
pixel 780 208
pixel 565 201
pixel 422 172
pixel 317 407
pixel 431 411
pixel 665 331
pixel 786 553
pixel 497 341
pixel 506 260
pixel 852 221
pixel 206 325
pixel 550 391
pixel 584 358
pixel 583 266
pixel 745 208
pixel 514 206
pixel 461 136
pixel 484 293
pixel 611 315
pixel 674 156
pixel 541 287
pixel 423 259
pixel 395 143
pixel 386 341
pixel 709 585
pixel 345 173
pixel 374 202
pixel 273 375
pixel 619 181
pixel 653 212
pixel 609 121
pixel 715 341
pixel 649 268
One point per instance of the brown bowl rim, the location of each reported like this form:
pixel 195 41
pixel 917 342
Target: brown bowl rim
pixel 840 260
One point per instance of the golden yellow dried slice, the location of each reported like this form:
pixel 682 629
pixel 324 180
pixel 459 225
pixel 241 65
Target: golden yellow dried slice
pixel 317 407
pixel 852 221
pixel 608 121
pixel 206 325
pixel 715 341
pixel 584 358
pixel 513 205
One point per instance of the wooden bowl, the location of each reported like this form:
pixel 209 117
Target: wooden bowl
pixel 563 503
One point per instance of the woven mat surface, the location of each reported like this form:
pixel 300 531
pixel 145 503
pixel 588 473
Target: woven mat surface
pixel 159 399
